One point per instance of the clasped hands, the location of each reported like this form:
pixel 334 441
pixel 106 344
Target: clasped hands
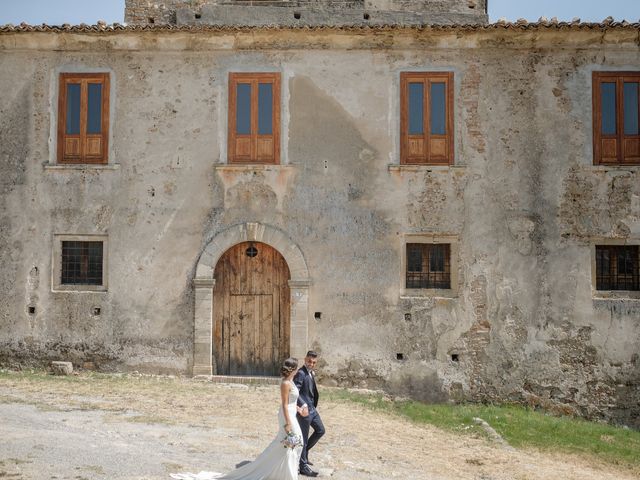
pixel 303 411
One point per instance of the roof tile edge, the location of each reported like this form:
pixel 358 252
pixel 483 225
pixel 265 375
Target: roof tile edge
pixel 117 27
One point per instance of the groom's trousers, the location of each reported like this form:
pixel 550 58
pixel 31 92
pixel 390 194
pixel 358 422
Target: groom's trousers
pixel 312 421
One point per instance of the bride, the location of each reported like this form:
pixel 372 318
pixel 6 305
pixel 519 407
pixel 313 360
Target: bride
pixel 279 461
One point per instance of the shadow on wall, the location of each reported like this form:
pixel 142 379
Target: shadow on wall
pixel 418 383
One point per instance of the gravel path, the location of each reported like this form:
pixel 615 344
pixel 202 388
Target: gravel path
pixel 97 428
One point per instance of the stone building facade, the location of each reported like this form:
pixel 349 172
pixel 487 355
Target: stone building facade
pixel 305 12
pixel 473 273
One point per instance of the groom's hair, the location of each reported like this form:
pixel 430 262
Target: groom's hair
pixel 312 354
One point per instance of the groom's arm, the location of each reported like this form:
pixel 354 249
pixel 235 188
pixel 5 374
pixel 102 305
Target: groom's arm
pixel 298 380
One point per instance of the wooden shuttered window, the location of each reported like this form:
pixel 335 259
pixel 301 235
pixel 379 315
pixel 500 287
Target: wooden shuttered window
pixel 426 118
pixel 83 118
pixel 616 111
pixel 254 118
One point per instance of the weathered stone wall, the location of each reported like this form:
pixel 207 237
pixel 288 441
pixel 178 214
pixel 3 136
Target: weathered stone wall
pixel 523 199
pixel 305 12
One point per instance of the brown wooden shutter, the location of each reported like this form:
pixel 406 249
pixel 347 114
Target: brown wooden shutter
pixel 83 146
pixel 618 147
pixel 630 147
pixel 427 148
pixel 605 145
pixel 254 147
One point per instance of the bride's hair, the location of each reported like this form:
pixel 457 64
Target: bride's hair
pixel 288 366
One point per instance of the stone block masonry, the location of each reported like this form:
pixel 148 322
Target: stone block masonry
pixel 62 368
pixel 523 204
pixel 305 12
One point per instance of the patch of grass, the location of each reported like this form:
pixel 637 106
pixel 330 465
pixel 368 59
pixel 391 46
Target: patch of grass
pixel 176 400
pixel 521 427
pixel 151 419
pixel 172 467
pixel 153 399
pixel 12 399
pixel 49 407
pixel 15 461
pixel 91 383
pixel 98 469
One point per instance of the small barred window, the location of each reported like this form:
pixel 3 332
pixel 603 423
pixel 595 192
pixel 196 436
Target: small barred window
pixel 428 265
pixel 81 263
pixel 617 267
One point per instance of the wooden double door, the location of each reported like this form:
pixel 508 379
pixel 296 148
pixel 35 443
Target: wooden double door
pixel 251 310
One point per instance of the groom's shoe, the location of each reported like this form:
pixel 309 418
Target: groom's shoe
pixel 306 471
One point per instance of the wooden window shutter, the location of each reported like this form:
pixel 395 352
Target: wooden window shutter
pixel 629 116
pixel 616 111
pixel 83 118
pixel 426 118
pixel 254 118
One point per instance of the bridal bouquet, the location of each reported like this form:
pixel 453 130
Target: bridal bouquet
pixel 291 440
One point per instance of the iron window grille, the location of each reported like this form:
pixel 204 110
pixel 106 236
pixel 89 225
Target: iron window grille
pixel 428 265
pixel 617 267
pixel 81 263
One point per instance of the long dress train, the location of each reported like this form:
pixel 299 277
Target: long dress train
pixel 276 462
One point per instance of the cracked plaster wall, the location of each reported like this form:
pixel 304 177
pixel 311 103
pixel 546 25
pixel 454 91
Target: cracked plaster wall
pixel 523 199
pixel 307 12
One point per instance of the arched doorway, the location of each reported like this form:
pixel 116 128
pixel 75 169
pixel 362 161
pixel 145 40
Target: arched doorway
pixel 250 310
pixel 204 284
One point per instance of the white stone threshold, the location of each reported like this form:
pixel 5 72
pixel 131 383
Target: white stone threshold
pixel 246 380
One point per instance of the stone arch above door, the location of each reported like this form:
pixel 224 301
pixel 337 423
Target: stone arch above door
pixel 204 283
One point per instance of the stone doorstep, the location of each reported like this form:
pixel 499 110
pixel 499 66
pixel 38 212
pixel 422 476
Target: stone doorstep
pixel 246 380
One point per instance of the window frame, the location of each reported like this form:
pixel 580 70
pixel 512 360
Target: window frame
pixel 56 271
pixel 430 275
pixel 610 294
pixel 83 79
pixel 432 239
pixel 598 78
pixel 427 78
pixel 254 78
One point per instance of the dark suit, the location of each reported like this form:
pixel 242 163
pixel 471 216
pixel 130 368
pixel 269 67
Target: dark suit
pixel 308 394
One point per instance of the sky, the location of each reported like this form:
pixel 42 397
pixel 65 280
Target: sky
pixel 57 12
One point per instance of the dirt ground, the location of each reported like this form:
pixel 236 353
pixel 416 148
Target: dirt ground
pixel 139 427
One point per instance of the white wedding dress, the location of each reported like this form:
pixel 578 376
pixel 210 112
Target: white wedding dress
pixel 276 462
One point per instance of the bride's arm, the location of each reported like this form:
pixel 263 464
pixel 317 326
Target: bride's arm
pixel 284 394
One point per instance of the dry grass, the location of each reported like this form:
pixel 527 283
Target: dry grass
pixel 361 441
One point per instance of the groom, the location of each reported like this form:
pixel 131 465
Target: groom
pixel 308 401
